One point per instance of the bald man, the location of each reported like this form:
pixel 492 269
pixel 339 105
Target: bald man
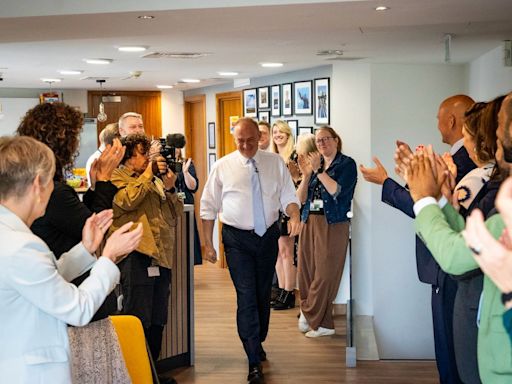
pixel 450 118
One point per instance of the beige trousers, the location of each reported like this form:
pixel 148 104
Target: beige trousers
pixel 322 252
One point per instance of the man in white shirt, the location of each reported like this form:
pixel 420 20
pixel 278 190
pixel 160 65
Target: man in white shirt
pixel 247 188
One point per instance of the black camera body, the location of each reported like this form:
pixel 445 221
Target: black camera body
pixel 169 145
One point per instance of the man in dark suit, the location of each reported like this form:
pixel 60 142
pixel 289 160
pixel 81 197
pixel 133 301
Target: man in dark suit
pixel 450 121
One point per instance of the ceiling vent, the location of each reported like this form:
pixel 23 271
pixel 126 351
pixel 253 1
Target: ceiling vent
pixel 330 52
pixel 95 78
pixel 341 58
pixel 175 55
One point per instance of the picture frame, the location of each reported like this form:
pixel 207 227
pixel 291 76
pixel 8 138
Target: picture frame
pixel 287 99
pixel 302 130
pixel 212 158
pixel 250 103
pixel 211 135
pixel 294 126
pixel 303 97
pixel 264 116
pixel 275 100
pixel 263 98
pixel 322 101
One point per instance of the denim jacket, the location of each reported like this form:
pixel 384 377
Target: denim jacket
pixel 344 171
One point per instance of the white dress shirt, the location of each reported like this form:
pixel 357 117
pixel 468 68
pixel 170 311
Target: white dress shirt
pixel 37 302
pixel 228 191
pixel 97 153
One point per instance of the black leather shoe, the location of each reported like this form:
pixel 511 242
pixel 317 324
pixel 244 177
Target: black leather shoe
pixel 286 301
pixel 277 297
pixel 255 375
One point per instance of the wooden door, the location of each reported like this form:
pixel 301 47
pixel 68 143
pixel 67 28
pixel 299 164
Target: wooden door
pixel 229 107
pixel 195 132
pixel 147 103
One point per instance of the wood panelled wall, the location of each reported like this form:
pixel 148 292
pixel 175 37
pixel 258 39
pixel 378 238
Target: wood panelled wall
pixel 147 103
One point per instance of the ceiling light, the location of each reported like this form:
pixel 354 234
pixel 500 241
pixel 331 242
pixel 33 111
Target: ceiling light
pixel 190 80
pixel 272 65
pixel 98 61
pixel 164 86
pixel 145 17
pixel 228 73
pixel 70 72
pixel 132 48
pixel 50 80
pixel 382 8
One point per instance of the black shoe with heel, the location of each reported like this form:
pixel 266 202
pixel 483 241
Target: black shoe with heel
pixel 276 296
pixel 286 301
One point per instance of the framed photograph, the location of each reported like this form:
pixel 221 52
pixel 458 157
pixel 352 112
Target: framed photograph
pixel 211 135
pixel 275 99
pixel 264 116
pixel 212 158
pixel 294 126
pixel 322 101
pixel 250 108
pixel 303 98
pixel 302 130
pixel 287 99
pixel 263 101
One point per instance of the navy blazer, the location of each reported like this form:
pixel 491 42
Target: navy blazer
pixel 399 197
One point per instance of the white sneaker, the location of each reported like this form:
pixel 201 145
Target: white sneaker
pixel 320 332
pixel 303 323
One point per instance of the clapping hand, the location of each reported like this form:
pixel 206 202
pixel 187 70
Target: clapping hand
pixel 94 229
pixel 304 166
pixel 421 177
pixel 102 167
pixel 122 242
pixel 186 165
pixel 403 156
pixel 375 175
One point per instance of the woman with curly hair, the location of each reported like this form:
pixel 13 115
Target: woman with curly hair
pixel 58 126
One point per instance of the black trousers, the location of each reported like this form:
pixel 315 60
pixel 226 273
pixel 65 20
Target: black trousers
pixel 251 260
pixel 146 297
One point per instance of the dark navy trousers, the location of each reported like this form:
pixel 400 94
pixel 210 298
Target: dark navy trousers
pixel 251 260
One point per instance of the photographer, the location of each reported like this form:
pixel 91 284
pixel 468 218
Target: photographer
pixel 187 183
pixel 151 200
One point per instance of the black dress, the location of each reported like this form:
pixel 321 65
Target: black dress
pixel 62 224
pixel 181 186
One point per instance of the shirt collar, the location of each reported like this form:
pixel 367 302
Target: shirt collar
pixel 456 146
pixel 244 160
pixel 10 219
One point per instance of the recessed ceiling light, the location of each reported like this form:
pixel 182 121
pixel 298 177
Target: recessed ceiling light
pixel 190 80
pixel 70 72
pixel 228 73
pixel 50 80
pixel 98 61
pixel 272 65
pixel 382 8
pixel 164 86
pixel 146 17
pixel 132 48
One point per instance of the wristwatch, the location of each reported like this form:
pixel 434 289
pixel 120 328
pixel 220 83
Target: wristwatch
pixel 320 169
pixel 506 297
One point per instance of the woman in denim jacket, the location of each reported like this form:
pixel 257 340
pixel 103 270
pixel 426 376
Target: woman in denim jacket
pixel 326 191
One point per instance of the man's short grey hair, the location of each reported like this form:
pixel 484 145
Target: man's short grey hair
pixel 109 133
pixel 128 114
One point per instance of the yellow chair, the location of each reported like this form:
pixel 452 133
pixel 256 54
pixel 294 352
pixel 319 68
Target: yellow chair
pixel 133 345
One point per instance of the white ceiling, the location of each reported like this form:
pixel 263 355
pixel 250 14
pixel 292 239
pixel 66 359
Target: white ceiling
pixel 38 38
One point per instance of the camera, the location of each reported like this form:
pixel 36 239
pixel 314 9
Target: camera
pixel 169 144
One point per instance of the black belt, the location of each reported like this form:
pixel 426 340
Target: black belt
pixel 319 212
pixel 247 230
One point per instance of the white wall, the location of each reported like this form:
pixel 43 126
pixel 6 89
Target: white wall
pixel 488 77
pixel 173 119
pixel 404 103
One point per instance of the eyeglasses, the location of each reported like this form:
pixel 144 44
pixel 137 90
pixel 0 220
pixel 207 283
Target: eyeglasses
pixel 323 140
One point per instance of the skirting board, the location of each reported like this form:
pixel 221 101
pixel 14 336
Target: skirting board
pixel 365 341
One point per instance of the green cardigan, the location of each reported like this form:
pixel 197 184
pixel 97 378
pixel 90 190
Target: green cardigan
pixel 450 251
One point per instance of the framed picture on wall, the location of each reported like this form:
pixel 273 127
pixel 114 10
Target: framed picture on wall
pixel 212 158
pixel 287 99
pixel 263 101
pixel 211 135
pixel 303 98
pixel 275 99
pixel 322 101
pixel 250 108
pixel 264 116
pixel 294 125
pixel 302 130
